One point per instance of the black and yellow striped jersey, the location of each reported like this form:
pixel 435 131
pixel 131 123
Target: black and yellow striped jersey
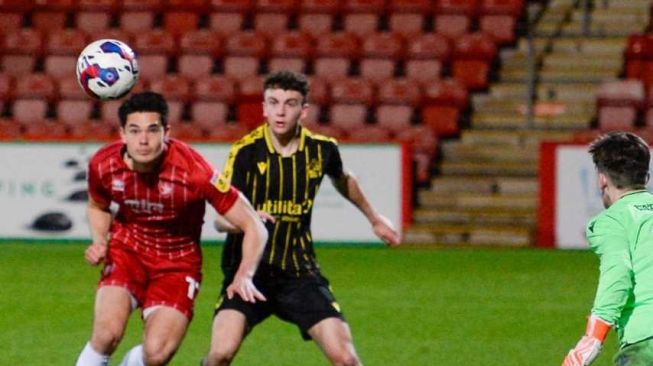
pixel 284 187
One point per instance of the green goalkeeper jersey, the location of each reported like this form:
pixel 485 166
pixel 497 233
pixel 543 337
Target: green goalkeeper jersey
pixel 622 237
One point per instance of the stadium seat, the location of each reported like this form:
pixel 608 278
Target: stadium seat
pixel 319 91
pixel 172 87
pixel 334 55
pixel 364 6
pixel 156 42
pixel 406 25
pixel 424 71
pixel 6 87
pixel 46 21
pixel 17 65
pixel 399 91
pixel 92 130
pixel 296 64
pixel 68 88
pixel 106 6
pixel 326 130
pixel 613 118
pixel 215 88
pixel 320 6
pixel 20 6
pixel 290 51
pixel 228 132
pixel 195 6
pixel 74 111
pixel 512 8
pixel 315 24
pixel 361 24
pixel 143 5
pixel 442 119
pixel 368 133
pixel 249 114
pixel 209 115
pixel 179 22
pixel 92 22
pixel 198 50
pixel 380 52
pixel 467 7
pixel 175 111
pixel 11 22
pixel 226 24
pixel 393 117
pixel 137 21
pixel 114 33
pixel 59 67
pixel 246 44
pixel 347 115
pixel 445 92
pixel 250 89
pixel 429 46
pixel 37 86
pixel 28 111
pixel 67 42
pixel 424 144
pixel 473 56
pixel 231 6
pixel 270 24
pixel 312 115
pixel 638 55
pixel 195 67
pixel 152 66
pixel 452 26
pixel 109 112
pixel 27 41
pixel 618 102
pixel 352 90
pixel 500 27
pixel 187 132
pixel 443 102
pixel 241 67
pixel 410 6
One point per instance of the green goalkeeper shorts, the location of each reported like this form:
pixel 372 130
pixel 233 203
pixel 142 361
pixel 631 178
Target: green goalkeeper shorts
pixel 636 354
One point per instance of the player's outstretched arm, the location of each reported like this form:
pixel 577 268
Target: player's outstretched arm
pixel 223 225
pixel 347 185
pixel 242 216
pixel 99 219
pixel 589 346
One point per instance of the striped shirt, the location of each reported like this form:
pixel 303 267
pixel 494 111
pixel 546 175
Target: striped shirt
pixel 160 212
pixel 284 187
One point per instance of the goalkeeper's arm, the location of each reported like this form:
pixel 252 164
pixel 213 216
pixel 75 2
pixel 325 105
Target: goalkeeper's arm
pixel 589 346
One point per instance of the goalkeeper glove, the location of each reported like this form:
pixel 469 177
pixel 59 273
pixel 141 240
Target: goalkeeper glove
pixel 590 344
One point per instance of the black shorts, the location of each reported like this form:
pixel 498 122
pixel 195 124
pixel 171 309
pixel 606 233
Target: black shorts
pixel 303 301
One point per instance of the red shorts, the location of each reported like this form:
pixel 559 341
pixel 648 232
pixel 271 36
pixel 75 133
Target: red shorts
pixel 153 280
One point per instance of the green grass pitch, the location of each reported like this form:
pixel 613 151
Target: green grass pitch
pixel 405 306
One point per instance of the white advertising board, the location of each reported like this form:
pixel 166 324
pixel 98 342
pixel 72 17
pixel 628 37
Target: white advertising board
pixel 41 178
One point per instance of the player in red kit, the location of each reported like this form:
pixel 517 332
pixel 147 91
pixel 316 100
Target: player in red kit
pixel 150 246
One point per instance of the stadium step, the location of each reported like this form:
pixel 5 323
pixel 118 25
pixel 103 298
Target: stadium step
pixel 469 234
pixel 462 152
pixel 484 184
pixel 486 168
pixel 513 137
pixel 473 201
pixel 482 216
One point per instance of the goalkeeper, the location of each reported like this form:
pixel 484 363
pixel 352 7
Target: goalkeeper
pixel 622 237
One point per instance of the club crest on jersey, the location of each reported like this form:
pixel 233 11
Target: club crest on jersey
pixel 262 167
pixel 165 189
pixel 314 169
pixel 117 185
pixel 220 182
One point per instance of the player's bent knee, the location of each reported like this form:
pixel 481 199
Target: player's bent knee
pixel 345 359
pixel 106 340
pixel 221 356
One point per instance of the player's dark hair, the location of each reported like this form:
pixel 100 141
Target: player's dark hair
pixel 287 80
pixel 144 102
pixel 624 157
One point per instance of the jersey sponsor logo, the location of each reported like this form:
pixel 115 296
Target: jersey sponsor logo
pixel 285 207
pixel 646 207
pixel 118 185
pixel 220 182
pixel 144 206
pixel 262 167
pixel 165 189
pixel 314 168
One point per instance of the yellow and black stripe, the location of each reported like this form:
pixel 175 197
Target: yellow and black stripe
pixel 284 187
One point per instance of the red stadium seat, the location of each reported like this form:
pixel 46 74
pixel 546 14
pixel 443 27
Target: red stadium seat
pixel 92 22
pixel 93 130
pixel 296 64
pixel 399 91
pixel 215 88
pixel 424 71
pixel 270 24
pixel 20 6
pixel 226 24
pixel 6 86
pixel 334 55
pixel 612 118
pixel 175 111
pixel 246 44
pixel 11 22
pixel 152 66
pixel 638 53
pixel 228 132
pixel 320 6
pixel 410 6
pixel 68 88
pixel 241 67
pixel 380 52
pixel 10 129
pixel 352 90
pixel 406 25
pixel 141 5
pixel 368 133
pixel 276 6
pixel 179 22
pixel 449 92
pixel 466 7
pixel 394 118
pixel 137 21
pixel 361 24
pixel 36 86
pixel 187 131
pixel 512 8
pixel 18 65
pixel 109 112
pixel 59 67
pixel 67 42
pixel 500 27
pixel 290 51
pixel 347 116
pixel 58 5
pixel 201 42
pixel 452 26
pixel 154 42
pixel 209 114
pixel 429 46
pixel 424 144
pixel 250 114
pixel 315 24
pixel 24 42
pixel 328 130
pixel 319 91
pixel 250 89
pixel 46 21
pixel 45 130
pixel 442 119
pixel 195 67
pixel 472 58
pixel 312 115
pixel 106 6
pixel 28 111
pixel 364 6
pixel 194 6
pixel 172 87
pixel 74 111
pixel 114 33
pixel 231 6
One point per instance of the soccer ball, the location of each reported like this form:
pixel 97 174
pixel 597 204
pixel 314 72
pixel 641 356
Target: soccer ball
pixel 107 69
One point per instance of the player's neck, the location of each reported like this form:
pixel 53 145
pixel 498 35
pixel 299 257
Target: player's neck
pixel 142 167
pixel 286 144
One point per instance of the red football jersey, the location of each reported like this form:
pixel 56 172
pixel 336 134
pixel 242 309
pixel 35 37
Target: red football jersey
pixel 160 212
